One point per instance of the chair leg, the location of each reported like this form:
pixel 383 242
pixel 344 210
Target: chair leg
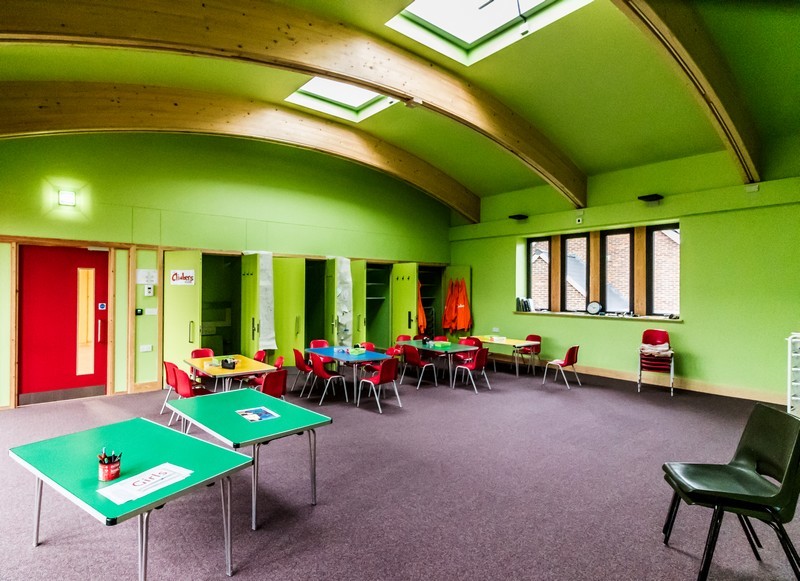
pixel 344 388
pixel 671 377
pixel 747 527
pixel 639 381
pixel 786 543
pixel 576 376
pixel 671 513
pixel 377 399
pixel 402 375
pixel 544 375
pixel 396 393
pixel 164 405
pixel 711 543
pixel 564 375
pixel 472 379
pixel 486 377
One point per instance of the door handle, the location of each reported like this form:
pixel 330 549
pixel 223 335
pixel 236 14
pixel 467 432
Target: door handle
pixel 297 325
pixel 253 328
pixel 409 320
pixel 358 323
pixel 191 331
pixel 99 337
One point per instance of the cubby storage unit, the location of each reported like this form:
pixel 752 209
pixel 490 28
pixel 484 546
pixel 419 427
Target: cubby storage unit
pixel 793 374
pixel 378 315
pixel 430 279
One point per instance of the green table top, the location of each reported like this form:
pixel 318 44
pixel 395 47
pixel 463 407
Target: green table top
pixel 216 414
pixel 452 348
pixel 70 465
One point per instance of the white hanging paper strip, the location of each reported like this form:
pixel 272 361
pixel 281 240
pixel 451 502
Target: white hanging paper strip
pixel 266 302
pixel 344 302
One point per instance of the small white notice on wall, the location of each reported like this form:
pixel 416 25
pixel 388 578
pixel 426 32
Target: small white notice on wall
pixel 146 276
pixel 178 277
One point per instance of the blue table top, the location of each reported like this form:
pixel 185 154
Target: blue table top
pixel 339 353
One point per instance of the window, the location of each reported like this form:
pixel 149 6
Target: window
pixel 616 271
pixel 339 99
pixel 575 272
pixel 470 30
pixel 539 270
pixel 663 270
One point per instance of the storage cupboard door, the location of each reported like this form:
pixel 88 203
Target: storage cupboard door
pixel 358 270
pixel 331 320
pixel 404 299
pixel 250 327
pixel 183 285
pixel 290 299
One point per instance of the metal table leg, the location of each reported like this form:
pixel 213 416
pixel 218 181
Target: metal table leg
pixel 225 493
pixel 37 511
pixel 256 450
pixel 312 452
pixel 143 525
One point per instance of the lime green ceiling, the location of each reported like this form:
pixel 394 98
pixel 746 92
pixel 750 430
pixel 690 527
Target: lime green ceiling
pixel 595 85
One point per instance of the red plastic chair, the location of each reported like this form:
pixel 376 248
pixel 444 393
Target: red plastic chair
pixel 464 356
pixel 531 352
pixel 169 378
pixel 328 377
pixel 317 343
pixel 419 337
pixel 570 359
pixel 657 360
pixel 197 375
pixel 303 368
pixel 475 365
pixel 387 373
pixel 412 358
pixel 403 338
pixel 184 387
pixel 255 380
pixel 278 362
pixel 274 383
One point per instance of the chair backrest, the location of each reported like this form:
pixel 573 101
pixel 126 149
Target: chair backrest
pixel 655 337
pixel 403 338
pixel 319 367
pixel 315 343
pixel 183 385
pixel 571 358
pixel 300 362
pixel 419 337
pixel 275 383
pixel 770 445
pixel 260 356
pixel 411 355
pixel 535 348
pixel 388 371
pixel 169 374
pixel 279 362
pixel 368 345
pixel 475 341
pixel 204 352
pixel 440 338
pixel 481 358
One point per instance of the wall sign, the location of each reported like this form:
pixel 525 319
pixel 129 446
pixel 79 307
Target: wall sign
pixel 181 277
pixel 146 276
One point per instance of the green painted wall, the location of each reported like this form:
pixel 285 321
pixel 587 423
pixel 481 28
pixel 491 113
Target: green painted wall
pixel 146 324
pixel 121 321
pixel 5 325
pixel 740 275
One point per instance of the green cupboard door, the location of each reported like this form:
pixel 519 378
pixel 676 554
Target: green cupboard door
pixel 331 320
pixel 289 279
pixel 358 271
pixel 250 326
pixel 404 299
pixel 183 286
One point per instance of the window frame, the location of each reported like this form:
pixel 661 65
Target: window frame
pixel 651 230
pixel 604 234
pixel 528 243
pixel 565 270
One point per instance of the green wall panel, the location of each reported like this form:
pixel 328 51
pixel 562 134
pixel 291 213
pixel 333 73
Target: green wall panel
pixel 146 325
pixel 6 285
pixel 121 321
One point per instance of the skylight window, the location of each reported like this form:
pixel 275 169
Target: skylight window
pixel 340 99
pixel 470 30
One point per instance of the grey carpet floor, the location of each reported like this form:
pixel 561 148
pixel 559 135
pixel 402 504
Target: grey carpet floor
pixel 523 482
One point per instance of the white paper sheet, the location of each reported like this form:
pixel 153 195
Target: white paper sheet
pixel 144 483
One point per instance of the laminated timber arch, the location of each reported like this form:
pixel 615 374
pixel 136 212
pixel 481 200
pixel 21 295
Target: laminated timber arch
pixel 42 108
pixel 261 32
pixel 676 30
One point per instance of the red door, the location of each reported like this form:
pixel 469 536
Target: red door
pixel 63 319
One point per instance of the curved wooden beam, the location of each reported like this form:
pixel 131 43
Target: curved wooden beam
pixel 41 108
pixel 676 29
pixel 277 35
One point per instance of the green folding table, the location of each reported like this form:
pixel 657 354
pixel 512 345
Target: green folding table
pixel 446 350
pixel 69 465
pixel 218 414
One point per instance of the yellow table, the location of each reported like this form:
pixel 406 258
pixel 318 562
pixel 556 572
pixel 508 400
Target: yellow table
pixel 244 367
pixel 516 344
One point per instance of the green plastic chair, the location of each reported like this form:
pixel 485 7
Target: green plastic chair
pixel 762 482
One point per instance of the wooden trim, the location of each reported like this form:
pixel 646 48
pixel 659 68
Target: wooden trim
pixel 111 321
pixel 41 108
pixel 14 363
pixel 555 273
pixel 160 323
pixel 130 370
pixel 640 270
pixel 675 29
pixel 277 35
pixel 594 265
pixel 145 387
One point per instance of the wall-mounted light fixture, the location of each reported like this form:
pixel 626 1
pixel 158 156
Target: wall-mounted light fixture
pixel 66 198
pixel 653 199
pixel 518 216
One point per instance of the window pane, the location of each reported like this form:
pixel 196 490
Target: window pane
pixel 575 269
pixel 539 281
pixel 617 297
pixel 666 271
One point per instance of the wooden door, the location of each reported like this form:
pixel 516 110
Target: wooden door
pixel 63 320
pixel 404 299
pixel 183 289
pixel 289 277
